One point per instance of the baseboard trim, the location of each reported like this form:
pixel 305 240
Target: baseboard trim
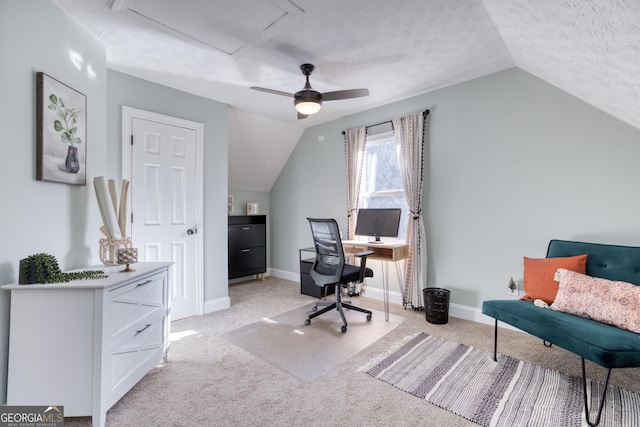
pixel 375 293
pixel 216 305
pixel 287 275
pixel 455 310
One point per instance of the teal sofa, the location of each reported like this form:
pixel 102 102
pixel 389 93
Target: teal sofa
pixel 603 344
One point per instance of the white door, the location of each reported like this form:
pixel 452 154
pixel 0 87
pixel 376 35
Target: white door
pixel 164 204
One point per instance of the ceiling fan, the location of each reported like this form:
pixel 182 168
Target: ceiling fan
pixel 308 101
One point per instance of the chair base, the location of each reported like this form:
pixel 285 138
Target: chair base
pixel 339 305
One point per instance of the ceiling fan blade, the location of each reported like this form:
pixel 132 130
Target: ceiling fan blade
pixel 344 94
pixel 302 116
pixel 273 91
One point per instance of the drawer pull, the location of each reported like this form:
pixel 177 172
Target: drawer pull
pixel 246 228
pixel 246 250
pixel 143 329
pixel 142 284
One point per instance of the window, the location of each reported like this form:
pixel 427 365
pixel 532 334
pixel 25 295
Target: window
pixel 381 184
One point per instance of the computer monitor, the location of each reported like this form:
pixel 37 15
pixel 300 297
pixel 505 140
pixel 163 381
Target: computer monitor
pixel 377 223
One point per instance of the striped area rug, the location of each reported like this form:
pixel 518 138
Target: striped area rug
pixel 467 382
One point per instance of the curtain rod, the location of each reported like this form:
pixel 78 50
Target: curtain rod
pixel 424 113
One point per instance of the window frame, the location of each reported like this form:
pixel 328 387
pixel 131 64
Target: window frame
pixel 382 138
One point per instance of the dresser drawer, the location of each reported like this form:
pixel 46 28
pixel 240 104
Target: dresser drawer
pixel 134 306
pixel 148 335
pixel 246 236
pixel 244 262
pixel 129 362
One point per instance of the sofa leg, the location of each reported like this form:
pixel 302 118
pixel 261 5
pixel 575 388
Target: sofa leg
pixel 586 401
pixel 495 342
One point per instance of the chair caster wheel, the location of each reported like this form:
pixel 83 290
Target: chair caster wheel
pixel 307 322
pixel 343 329
pixel 314 308
pixel 368 317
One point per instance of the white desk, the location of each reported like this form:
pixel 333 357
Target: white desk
pixel 385 252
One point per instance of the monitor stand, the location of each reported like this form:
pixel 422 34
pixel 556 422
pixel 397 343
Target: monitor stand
pixel 376 242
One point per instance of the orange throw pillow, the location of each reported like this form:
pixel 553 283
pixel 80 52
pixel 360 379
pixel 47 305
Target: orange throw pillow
pixel 539 274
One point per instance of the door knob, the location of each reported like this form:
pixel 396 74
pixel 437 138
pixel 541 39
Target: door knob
pixel 192 231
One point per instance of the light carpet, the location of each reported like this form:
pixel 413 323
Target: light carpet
pixel 308 352
pixel 466 381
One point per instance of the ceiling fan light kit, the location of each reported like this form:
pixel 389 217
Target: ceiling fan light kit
pixel 307 106
pixel 309 101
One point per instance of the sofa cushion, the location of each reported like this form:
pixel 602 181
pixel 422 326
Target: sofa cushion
pixel 612 302
pixel 539 275
pixel 603 344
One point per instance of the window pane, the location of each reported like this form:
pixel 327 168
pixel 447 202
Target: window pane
pixel 383 172
pixel 381 180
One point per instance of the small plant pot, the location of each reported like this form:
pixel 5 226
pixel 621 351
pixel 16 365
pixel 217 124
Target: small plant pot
pixel 27 274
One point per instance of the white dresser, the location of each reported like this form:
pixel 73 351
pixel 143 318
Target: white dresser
pixel 84 344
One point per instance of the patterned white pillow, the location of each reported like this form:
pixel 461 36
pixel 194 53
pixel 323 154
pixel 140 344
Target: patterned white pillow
pixel 606 301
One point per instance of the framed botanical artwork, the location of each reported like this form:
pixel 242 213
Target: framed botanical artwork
pixel 61 132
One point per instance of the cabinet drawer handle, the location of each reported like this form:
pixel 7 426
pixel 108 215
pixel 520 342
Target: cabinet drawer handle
pixel 246 228
pixel 143 329
pixel 246 250
pixel 142 284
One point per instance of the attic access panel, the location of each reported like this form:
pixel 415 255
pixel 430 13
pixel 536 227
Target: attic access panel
pixel 226 25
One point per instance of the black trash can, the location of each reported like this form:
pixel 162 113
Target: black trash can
pixel 436 305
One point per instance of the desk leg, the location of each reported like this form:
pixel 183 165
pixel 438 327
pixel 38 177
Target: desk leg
pixel 400 282
pixel 385 287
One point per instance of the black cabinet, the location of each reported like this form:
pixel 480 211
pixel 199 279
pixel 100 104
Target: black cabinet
pixel 247 245
pixel 307 285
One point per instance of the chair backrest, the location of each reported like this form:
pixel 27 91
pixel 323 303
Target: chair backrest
pixel 329 264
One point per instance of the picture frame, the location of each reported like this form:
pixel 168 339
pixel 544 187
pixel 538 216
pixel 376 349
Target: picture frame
pixel 252 208
pixel 61 132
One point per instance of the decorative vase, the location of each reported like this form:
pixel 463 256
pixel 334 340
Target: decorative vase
pixel 72 164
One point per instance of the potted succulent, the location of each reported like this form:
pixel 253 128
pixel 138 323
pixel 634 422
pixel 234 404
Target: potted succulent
pixel 66 123
pixel 44 268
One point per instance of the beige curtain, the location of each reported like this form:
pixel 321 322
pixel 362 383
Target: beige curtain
pixel 354 146
pixel 409 134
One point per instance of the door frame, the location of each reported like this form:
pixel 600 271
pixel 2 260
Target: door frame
pixel 130 113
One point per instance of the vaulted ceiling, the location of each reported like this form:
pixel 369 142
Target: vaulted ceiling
pixel 397 49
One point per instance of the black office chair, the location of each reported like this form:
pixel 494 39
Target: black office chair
pixel 331 269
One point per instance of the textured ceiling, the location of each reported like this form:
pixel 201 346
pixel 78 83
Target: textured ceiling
pixel 396 49
pixel 589 48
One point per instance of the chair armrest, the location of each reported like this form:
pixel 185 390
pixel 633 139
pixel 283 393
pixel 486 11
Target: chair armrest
pixel 363 263
pixel 363 254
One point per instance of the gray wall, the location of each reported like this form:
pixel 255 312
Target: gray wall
pixel 511 162
pixel 125 90
pixel 64 220
pixel 38 216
